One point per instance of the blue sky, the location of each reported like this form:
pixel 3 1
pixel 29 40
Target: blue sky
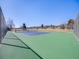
pixel 37 12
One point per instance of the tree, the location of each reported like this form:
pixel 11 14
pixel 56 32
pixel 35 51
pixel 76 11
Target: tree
pixel 24 26
pixel 70 23
pixel 62 26
pixel 10 24
pixel 42 26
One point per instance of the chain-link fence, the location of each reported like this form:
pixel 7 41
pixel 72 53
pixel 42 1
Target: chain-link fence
pixel 3 27
pixel 76 26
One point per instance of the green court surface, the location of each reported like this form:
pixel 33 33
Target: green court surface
pixel 12 40
pixel 55 45
pixel 12 48
pixel 10 52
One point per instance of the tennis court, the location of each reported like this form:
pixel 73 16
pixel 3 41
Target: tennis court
pixel 12 48
pixel 33 33
pixel 55 45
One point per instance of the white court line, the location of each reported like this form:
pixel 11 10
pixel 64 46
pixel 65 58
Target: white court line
pixel 75 36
